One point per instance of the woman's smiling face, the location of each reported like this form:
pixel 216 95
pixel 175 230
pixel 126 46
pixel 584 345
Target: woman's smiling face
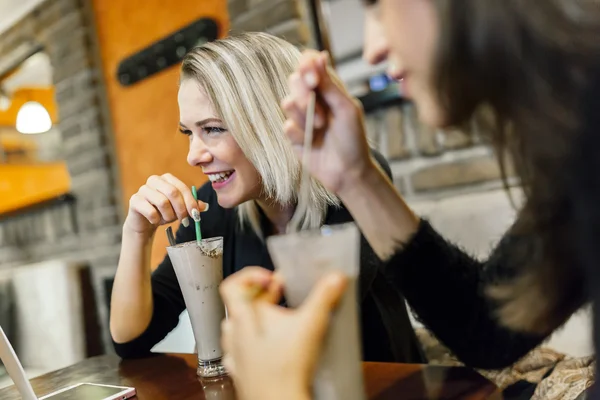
pixel 214 149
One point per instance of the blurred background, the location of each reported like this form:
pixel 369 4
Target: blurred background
pixel 88 112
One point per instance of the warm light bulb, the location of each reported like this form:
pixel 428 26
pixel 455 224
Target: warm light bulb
pixel 33 118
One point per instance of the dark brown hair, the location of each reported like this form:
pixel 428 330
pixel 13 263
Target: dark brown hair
pixel 521 67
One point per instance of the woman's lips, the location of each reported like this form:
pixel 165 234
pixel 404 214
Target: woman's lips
pixel 219 185
pixel 404 89
pixel 401 78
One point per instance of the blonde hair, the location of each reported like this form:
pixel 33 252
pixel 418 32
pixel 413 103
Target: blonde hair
pixel 245 77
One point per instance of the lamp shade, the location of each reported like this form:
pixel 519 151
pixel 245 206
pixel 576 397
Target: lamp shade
pixel 33 118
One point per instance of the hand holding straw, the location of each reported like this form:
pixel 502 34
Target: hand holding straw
pixel 196 217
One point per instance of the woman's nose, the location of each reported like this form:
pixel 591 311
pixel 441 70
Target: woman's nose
pixel 375 49
pixel 198 153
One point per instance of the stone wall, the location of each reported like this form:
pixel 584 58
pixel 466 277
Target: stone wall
pixel 431 163
pixel 65 30
pixel 287 19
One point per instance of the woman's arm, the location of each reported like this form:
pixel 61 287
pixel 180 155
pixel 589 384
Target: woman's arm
pixel 140 298
pixel 131 299
pixel 443 284
pixel 447 289
pixel 166 301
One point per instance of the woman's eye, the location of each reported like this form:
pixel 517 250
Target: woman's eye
pixel 213 130
pixel 186 132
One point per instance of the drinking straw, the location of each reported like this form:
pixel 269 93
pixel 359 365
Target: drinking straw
pixel 304 190
pixel 170 237
pixel 196 217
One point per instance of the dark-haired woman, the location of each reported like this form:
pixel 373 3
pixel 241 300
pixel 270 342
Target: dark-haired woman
pixel 529 70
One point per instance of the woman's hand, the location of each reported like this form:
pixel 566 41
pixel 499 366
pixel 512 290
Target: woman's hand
pixel 271 352
pixel 163 199
pixel 340 152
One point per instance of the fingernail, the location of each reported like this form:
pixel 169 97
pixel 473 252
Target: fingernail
pixel 185 222
pixel 310 79
pixel 206 207
pixel 196 215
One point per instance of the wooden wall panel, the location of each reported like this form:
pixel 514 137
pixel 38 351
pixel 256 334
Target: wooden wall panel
pixel 145 115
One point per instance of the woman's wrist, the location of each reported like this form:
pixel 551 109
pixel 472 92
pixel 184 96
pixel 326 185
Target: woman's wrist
pixel 358 177
pixel 379 210
pixel 135 237
pixel 357 180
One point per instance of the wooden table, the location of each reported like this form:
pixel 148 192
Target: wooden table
pixel 173 377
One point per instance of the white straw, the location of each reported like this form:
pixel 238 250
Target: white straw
pixel 304 190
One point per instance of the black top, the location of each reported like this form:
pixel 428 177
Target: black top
pixel 387 333
pixel 446 289
pixel 584 196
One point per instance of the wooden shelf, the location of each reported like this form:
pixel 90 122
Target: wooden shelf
pixel 27 186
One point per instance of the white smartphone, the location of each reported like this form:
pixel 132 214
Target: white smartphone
pixel 91 391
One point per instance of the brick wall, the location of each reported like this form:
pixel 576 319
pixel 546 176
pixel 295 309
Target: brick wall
pixel 429 163
pixel 287 19
pixel 63 28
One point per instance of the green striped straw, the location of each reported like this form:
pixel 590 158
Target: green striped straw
pixel 197 221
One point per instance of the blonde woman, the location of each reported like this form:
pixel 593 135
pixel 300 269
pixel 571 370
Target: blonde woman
pixel 229 100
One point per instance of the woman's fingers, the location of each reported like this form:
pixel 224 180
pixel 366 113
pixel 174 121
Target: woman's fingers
pixel 172 194
pixel 160 202
pixel 273 293
pixel 226 332
pixel 140 205
pixel 186 193
pixel 293 112
pixel 322 300
pixel 296 104
pixel 239 289
pixel 229 365
pixel 309 70
pixel 299 91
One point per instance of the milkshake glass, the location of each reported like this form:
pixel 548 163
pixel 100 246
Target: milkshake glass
pixel 199 270
pixel 303 258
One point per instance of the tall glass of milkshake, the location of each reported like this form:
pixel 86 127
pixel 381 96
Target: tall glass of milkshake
pixel 303 258
pixel 199 270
